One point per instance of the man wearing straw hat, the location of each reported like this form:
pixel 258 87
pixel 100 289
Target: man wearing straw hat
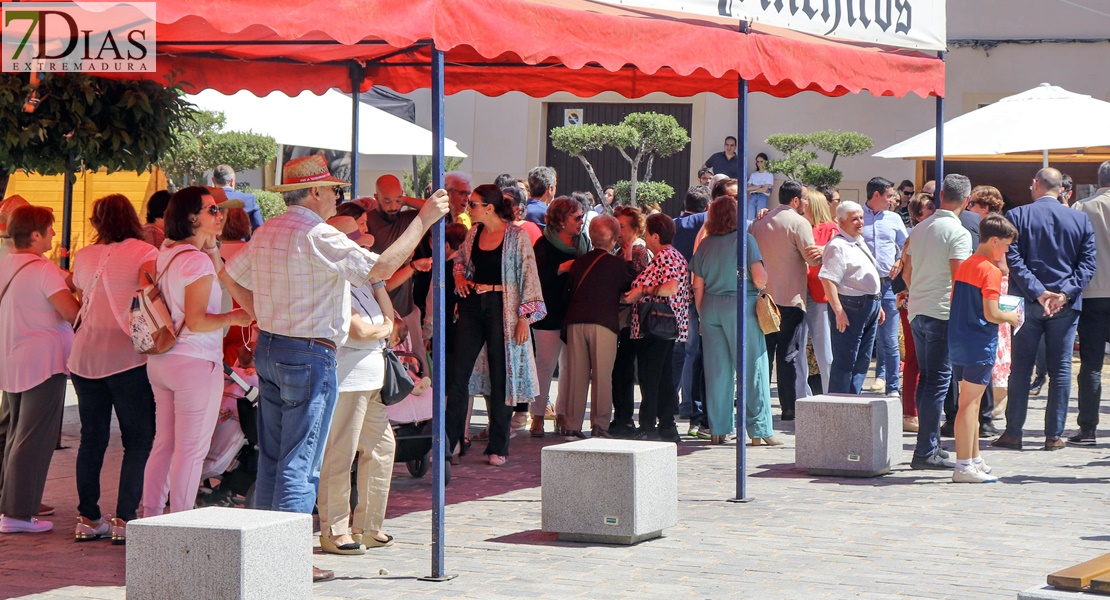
pixel 295 275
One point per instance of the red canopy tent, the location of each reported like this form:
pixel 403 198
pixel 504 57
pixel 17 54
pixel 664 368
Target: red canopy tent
pixel 495 46
pixel 537 47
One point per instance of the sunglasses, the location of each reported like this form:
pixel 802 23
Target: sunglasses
pixel 213 210
pixel 338 194
pixel 979 203
pixel 907 193
pixel 474 204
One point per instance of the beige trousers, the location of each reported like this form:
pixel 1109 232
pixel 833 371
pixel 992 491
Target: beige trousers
pixel 591 351
pixel 359 424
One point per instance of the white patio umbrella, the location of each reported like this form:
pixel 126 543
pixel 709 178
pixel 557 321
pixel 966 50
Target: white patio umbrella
pixel 1044 118
pixel 321 122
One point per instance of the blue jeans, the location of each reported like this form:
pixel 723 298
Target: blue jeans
pixel 756 202
pixel 851 348
pixel 930 339
pixel 299 390
pixel 1059 335
pixel 887 356
pixel 689 372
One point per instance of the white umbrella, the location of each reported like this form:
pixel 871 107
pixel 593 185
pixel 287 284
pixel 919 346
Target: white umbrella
pixel 321 122
pixel 1038 120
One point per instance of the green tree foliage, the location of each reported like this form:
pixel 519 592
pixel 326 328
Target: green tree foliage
pixel 799 153
pixel 647 192
pixel 200 144
pixel 424 174
pixel 270 203
pixel 639 137
pixel 83 120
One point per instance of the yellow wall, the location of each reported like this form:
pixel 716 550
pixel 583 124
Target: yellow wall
pixel 47 191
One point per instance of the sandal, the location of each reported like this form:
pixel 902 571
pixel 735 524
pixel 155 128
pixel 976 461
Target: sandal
pixel 482 435
pixel 537 427
pixel 372 542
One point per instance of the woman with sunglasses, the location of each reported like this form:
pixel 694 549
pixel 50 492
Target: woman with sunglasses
pixel 188 379
pixel 499 291
pixel 562 242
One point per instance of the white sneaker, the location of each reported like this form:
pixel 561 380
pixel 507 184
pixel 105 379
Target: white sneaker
pixel 10 525
pixel 972 475
pixel 879 385
pixel 983 466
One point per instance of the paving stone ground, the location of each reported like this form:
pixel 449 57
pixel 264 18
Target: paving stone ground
pixel 909 534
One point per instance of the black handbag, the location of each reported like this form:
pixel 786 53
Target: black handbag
pixel 657 320
pixel 397 385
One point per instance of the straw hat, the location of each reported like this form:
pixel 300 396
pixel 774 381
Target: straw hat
pixel 306 172
pixel 7 207
pixel 220 196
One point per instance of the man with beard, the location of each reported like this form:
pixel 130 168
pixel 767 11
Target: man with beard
pixel 386 224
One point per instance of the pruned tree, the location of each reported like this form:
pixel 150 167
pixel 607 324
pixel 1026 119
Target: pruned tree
pixel 424 174
pixel 639 137
pixel 799 151
pixel 201 144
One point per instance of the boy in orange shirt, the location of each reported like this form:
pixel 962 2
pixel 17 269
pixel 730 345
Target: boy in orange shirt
pixel 973 339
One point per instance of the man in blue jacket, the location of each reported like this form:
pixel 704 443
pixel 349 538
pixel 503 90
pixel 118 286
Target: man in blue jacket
pixel 1051 262
pixel 223 176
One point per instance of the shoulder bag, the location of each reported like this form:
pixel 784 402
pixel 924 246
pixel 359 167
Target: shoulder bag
pixel 767 312
pixel 152 329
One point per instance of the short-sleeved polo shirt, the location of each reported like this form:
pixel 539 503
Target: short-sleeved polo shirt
pixel 933 243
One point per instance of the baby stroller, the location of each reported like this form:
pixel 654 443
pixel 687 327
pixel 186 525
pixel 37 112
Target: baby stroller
pixel 411 419
pixel 231 466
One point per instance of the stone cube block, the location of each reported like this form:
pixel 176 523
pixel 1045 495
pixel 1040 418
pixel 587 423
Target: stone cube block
pixel 217 553
pixel 848 435
pixel 609 491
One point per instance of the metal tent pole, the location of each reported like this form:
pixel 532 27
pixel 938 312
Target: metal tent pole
pixel 358 74
pixel 742 292
pixel 67 211
pixel 938 174
pixel 439 452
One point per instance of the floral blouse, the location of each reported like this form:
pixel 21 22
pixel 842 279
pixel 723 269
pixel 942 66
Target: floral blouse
pixel 668 265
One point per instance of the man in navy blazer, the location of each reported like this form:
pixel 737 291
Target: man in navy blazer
pixel 1051 262
pixel 224 176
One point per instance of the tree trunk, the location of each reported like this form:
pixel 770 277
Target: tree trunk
pixel 635 177
pixel 833 163
pixel 647 170
pixel 597 184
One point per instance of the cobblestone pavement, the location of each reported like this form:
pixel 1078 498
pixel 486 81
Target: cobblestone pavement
pixel 909 534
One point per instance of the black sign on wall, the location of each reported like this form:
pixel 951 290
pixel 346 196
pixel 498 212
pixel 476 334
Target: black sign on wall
pixel 610 166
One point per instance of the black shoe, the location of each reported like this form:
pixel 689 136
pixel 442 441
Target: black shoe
pixel 946 430
pixel 649 435
pixel 1038 383
pixel 1083 438
pixel 988 429
pixel 670 436
pixel 932 462
pixel 787 415
pixel 621 430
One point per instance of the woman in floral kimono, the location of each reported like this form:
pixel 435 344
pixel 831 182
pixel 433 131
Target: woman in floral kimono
pixel 499 291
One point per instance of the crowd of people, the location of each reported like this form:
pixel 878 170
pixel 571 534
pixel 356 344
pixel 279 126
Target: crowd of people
pixel 607 295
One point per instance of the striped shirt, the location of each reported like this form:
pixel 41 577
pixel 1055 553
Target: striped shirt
pixel 300 270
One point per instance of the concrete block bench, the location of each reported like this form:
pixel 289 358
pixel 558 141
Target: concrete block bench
pixel 217 553
pixel 609 491
pixel 848 435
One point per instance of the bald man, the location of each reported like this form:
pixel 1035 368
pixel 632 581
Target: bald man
pixel 1051 262
pixel 386 223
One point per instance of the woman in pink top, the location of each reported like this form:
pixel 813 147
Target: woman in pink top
pixel 817 305
pixel 36 310
pixel 188 379
pixel 107 373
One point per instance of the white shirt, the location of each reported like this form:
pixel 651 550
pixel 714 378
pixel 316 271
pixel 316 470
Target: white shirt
pixel 102 346
pixel 301 271
pixel 360 366
pixel 761 179
pixel 191 267
pixel 34 339
pixel 849 264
